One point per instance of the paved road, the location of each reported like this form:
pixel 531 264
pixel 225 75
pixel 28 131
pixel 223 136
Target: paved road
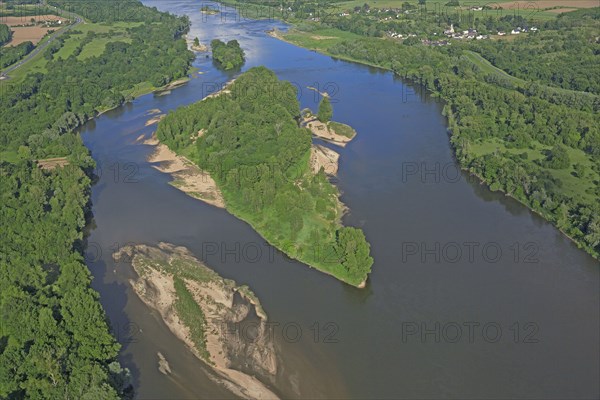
pixel 41 47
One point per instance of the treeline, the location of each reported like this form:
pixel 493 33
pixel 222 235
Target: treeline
pixel 11 54
pixel 566 57
pixel 5 34
pixel 480 110
pixel 77 89
pixel 259 156
pixel 227 55
pixel 54 336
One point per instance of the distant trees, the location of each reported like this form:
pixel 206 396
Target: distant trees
pixel 485 110
pixel 325 110
pixel 5 34
pixel 228 55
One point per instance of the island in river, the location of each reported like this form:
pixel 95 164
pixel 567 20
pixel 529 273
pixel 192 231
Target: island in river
pixel 255 147
pixel 208 313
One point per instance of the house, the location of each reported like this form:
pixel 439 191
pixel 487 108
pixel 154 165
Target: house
pixel 500 33
pixel 515 31
pixel 533 29
pixel 449 32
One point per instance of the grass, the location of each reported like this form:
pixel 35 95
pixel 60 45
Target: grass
pixel 192 316
pixel 106 33
pixel 9 156
pixel 319 39
pixel 113 32
pixel 342 129
pixel 571 184
pixel 487 67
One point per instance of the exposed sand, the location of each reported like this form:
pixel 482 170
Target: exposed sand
pixel 163 364
pixel 324 94
pixel 321 156
pixel 153 111
pixel 49 164
pixel 542 4
pixel 187 177
pixel 154 120
pixel 323 131
pixel 155 287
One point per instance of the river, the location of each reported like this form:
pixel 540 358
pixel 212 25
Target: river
pixel 471 295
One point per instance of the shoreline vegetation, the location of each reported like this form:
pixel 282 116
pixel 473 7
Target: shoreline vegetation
pixel 539 179
pixel 228 55
pixel 207 313
pixel 283 193
pixel 47 173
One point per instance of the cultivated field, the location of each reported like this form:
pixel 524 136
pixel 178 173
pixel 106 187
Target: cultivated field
pixel 30 28
pixel 27 19
pixel 544 4
pixel 28 33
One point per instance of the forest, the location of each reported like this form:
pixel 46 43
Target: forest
pixel 258 154
pixel 11 54
pixel 5 34
pixel 227 55
pixel 536 143
pixel 55 339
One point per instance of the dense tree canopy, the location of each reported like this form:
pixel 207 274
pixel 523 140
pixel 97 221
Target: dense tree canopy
pixel 325 110
pixel 5 34
pixel 55 341
pixel 259 156
pixel 227 55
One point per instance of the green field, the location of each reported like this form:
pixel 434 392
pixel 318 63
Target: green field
pixel 319 39
pixel 106 33
pixel 583 188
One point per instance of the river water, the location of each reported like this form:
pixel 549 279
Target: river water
pixel 471 295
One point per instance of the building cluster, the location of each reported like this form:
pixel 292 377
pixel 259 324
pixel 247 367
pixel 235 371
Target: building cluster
pixel 466 34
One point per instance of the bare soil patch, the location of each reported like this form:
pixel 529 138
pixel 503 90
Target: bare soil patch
pixel 32 34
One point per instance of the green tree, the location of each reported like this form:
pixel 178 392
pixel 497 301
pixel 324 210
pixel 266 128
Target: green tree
pixel 325 110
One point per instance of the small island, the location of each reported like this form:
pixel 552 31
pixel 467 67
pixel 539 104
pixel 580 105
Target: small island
pixel 228 55
pixel 197 46
pixel 207 313
pixel 323 127
pixel 270 174
pixel 208 10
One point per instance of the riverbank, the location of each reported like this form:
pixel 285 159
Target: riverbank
pixel 330 131
pixel 187 176
pixel 207 313
pixel 281 195
pixel 578 199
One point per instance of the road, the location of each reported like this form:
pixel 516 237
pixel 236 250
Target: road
pixel 43 46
